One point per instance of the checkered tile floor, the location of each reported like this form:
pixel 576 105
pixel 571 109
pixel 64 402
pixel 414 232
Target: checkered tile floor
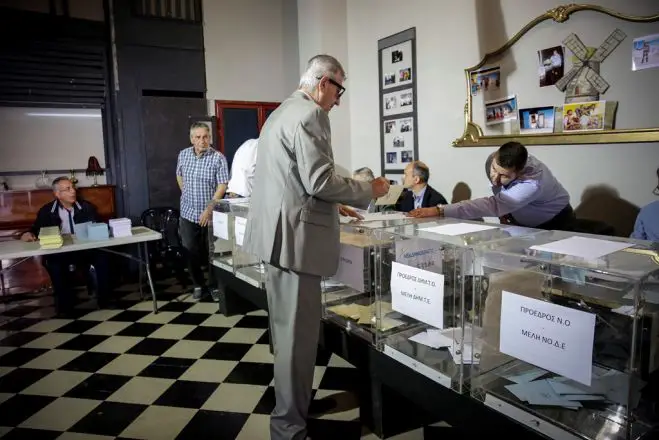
pixel 187 372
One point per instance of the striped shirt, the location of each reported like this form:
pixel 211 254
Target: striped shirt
pixel 201 176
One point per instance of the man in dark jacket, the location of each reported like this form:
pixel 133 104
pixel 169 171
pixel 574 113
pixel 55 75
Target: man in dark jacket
pixel 65 211
pixel 418 193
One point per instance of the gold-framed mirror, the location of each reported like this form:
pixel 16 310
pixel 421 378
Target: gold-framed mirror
pixel 589 100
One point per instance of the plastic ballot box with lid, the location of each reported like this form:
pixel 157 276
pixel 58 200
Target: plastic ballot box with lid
pixel 427 282
pixel 349 295
pixel 567 331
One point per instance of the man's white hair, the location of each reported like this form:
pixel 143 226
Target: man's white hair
pixel 196 125
pixel 319 66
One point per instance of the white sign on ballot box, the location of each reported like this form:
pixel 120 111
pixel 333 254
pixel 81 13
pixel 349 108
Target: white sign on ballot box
pixel 351 267
pixel 221 225
pixel 418 294
pixel 553 337
pixel 240 223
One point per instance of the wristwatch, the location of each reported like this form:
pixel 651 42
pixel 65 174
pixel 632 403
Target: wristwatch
pixel 440 210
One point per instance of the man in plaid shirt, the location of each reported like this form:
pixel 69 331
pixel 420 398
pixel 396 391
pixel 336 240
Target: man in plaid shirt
pixel 202 174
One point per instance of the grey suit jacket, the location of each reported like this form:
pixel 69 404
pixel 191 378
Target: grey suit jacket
pixel 293 216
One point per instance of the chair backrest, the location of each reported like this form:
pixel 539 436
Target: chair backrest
pixel 164 220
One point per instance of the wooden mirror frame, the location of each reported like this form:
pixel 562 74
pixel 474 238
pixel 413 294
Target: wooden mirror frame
pixel 473 134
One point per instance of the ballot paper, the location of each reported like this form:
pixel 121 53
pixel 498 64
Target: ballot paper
pixel 453 229
pixel 449 338
pixel 391 197
pixel 527 376
pixel 609 385
pixel 540 392
pixel 584 247
pixel 381 216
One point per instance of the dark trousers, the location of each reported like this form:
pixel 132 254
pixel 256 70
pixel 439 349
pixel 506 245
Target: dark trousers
pixel 62 277
pixel 194 238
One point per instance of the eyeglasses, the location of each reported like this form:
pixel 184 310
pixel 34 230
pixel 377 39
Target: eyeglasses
pixel 341 89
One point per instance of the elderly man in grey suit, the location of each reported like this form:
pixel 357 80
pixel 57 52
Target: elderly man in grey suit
pixel 293 226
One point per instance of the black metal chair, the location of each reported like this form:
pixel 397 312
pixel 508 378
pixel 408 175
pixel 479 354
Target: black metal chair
pixel 166 255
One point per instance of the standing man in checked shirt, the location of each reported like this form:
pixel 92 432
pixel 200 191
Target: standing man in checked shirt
pixel 202 174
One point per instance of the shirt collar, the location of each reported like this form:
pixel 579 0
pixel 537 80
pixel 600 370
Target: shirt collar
pixel 421 193
pixel 58 205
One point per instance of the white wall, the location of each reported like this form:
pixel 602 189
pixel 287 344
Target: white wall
pixel 257 49
pixel 251 49
pixel 322 29
pixel 448 41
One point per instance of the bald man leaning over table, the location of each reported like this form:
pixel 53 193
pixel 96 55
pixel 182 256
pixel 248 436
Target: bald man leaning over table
pixel 525 193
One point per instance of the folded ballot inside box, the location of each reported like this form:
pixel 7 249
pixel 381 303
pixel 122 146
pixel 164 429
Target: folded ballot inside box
pixel 98 231
pixel 121 227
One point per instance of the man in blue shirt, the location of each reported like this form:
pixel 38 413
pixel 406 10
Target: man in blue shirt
pixel 647 222
pixel 202 174
pixel 525 193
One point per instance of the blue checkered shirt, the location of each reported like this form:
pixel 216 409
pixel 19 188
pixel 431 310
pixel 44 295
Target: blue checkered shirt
pixel 201 176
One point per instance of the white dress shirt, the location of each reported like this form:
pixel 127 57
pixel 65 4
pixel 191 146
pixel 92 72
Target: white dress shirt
pixel 243 168
pixel 66 215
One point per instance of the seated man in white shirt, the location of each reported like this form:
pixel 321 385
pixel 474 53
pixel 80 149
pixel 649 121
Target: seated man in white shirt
pixel 242 170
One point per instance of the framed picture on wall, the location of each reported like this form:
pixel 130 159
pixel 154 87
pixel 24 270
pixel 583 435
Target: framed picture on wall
pixel 398 95
pixel 210 122
pixel 396 65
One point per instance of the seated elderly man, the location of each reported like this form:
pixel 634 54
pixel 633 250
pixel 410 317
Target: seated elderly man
pixel 65 211
pixel 418 193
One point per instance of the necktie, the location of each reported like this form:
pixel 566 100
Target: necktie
pixel 70 221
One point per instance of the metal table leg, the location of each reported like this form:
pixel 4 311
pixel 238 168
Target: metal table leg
pixel 139 257
pixel 148 274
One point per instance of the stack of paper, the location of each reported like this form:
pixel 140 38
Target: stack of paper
pixel 81 230
pixel 121 227
pixel 607 385
pixel 50 237
pixel 98 231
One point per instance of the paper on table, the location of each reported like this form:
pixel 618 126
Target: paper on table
pixel 458 228
pixel 380 216
pixel 584 247
pixel 391 197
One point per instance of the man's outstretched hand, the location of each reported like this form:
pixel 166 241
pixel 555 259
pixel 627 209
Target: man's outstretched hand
pixel 380 187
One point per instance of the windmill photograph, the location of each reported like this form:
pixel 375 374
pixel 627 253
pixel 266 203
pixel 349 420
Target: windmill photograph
pixel 583 82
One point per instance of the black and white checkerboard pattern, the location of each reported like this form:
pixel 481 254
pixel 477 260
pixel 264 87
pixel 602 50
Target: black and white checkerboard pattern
pixel 187 372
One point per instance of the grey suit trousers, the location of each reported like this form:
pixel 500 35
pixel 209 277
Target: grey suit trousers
pixel 294 300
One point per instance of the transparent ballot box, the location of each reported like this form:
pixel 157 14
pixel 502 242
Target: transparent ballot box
pixel 427 281
pixel 568 334
pixel 348 296
pixel 246 266
pixel 222 232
